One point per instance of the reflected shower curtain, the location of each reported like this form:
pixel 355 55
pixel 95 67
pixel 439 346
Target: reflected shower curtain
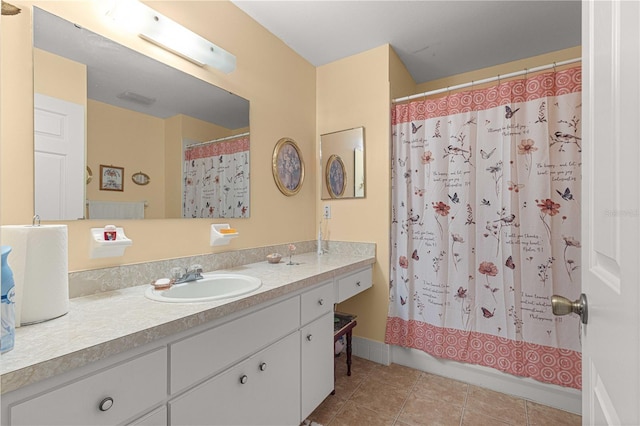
pixel 486 226
pixel 216 179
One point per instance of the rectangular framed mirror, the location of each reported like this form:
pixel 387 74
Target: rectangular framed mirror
pixel 343 164
pixel 140 114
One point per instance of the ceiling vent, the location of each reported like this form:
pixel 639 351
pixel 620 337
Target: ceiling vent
pixel 137 98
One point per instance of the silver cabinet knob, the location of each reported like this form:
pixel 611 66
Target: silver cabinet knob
pixel 244 379
pixel 105 404
pixel 263 366
pixel 309 337
pixel 321 302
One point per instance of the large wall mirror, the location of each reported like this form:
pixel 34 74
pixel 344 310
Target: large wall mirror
pixel 342 160
pixel 101 107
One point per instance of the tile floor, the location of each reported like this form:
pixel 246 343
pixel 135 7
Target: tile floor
pixel 375 394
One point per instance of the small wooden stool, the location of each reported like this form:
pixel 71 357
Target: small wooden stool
pixel 343 325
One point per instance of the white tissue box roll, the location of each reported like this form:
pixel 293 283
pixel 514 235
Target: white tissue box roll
pixel 40 264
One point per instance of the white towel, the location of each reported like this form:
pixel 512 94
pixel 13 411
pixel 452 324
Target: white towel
pixel 116 210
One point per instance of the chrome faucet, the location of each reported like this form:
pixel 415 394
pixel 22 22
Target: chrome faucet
pixel 183 275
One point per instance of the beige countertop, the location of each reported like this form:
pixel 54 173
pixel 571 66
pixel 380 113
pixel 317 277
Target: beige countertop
pixel 109 323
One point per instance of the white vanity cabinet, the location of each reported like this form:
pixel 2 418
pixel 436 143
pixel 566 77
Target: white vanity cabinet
pixel 271 364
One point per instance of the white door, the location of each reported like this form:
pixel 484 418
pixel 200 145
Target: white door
pixel 59 159
pixel 611 231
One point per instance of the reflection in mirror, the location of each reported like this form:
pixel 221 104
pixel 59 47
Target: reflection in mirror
pixel 137 114
pixel 342 160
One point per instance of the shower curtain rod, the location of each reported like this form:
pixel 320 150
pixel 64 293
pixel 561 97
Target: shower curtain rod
pixel 218 140
pixel 487 80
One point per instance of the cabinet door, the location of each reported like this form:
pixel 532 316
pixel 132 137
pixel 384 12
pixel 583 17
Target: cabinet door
pixel 262 390
pixel 317 363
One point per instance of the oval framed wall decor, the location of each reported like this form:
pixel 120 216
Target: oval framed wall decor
pixel 288 166
pixel 140 178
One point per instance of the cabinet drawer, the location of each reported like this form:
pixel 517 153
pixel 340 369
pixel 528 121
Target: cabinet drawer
pixel 132 386
pixel 207 353
pixel 316 302
pixel 353 284
pixel 261 390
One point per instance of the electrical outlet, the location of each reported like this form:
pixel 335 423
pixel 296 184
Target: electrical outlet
pixel 327 211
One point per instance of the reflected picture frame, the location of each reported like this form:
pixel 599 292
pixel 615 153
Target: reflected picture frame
pixel 140 178
pixel 111 178
pixel 335 176
pixel 288 166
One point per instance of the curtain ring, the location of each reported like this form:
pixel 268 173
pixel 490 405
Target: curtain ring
pixel 554 67
pixel 498 79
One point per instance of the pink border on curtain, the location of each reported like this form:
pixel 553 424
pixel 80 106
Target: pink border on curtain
pixel 508 93
pixel 544 363
pixel 217 148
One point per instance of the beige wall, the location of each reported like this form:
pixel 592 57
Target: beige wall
pixel 351 93
pixel 59 77
pixel 125 138
pixel 278 82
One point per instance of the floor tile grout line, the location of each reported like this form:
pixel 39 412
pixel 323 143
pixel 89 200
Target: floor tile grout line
pixel 464 405
pixel 404 403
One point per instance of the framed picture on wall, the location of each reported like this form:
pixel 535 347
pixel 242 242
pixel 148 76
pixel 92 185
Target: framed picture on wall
pixel 335 176
pixel 111 178
pixel 288 166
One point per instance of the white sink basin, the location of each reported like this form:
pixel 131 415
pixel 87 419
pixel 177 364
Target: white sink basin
pixel 212 287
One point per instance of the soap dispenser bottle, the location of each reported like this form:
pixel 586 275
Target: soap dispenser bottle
pixel 7 311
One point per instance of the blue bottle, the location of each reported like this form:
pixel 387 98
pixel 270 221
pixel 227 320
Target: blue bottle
pixel 8 307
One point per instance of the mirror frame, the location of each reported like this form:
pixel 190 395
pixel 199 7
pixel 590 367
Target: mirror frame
pixel 336 150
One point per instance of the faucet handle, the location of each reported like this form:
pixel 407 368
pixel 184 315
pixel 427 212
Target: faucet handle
pixel 177 272
pixel 195 269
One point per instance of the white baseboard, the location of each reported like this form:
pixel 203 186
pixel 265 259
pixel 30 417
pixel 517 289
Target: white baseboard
pixel 554 396
pixel 371 349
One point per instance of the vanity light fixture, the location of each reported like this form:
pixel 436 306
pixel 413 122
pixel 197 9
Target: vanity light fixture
pixel 168 34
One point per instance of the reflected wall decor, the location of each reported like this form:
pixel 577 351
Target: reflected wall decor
pixel 111 178
pixel 335 176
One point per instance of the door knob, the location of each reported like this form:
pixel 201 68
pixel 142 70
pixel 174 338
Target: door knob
pixel 563 306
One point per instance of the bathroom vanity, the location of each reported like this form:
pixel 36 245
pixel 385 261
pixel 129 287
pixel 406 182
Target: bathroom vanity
pixel 119 358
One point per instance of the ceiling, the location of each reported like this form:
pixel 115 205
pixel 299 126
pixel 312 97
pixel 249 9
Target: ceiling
pixel 434 39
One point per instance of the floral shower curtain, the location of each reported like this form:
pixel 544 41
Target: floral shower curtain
pixel 216 179
pixel 486 226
